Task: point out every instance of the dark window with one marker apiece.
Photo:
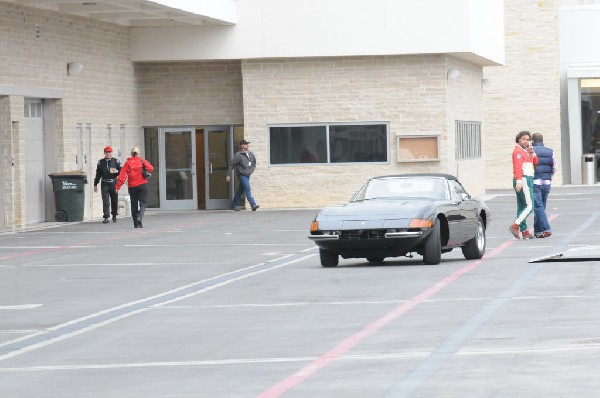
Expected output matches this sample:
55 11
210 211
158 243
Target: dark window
339 143
298 144
358 143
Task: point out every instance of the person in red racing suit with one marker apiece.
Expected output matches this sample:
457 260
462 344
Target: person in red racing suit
523 159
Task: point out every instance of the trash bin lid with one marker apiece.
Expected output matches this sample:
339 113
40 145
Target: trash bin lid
69 174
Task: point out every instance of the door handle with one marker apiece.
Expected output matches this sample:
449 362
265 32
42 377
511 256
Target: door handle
210 168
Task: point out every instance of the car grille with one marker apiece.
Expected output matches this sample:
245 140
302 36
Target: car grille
363 234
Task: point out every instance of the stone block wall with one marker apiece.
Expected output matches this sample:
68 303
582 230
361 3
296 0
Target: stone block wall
104 93
190 93
409 92
525 93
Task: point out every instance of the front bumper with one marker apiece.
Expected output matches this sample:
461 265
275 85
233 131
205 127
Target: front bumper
366 243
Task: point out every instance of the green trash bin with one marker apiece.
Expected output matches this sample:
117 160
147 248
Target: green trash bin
69 195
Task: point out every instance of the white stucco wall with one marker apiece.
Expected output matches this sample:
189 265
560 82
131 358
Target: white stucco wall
579 33
471 29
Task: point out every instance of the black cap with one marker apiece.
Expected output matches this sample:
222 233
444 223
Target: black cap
244 142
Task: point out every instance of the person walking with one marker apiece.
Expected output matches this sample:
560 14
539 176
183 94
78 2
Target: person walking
542 180
523 160
107 170
137 184
244 163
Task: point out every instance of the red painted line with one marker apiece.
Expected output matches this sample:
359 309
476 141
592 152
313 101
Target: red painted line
350 342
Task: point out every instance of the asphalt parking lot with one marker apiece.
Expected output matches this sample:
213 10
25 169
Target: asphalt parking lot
236 304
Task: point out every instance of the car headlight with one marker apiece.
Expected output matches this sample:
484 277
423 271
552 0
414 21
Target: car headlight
420 223
314 226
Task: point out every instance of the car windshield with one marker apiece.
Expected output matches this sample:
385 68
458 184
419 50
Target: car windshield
402 187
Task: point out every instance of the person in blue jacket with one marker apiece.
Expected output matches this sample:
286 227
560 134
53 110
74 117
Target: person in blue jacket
542 180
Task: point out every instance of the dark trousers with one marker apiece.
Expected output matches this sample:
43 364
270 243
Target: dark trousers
110 199
540 220
139 200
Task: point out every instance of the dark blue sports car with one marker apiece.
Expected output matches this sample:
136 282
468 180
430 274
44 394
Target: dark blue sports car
391 216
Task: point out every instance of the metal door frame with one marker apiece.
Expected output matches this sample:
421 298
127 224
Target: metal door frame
35 205
183 204
216 204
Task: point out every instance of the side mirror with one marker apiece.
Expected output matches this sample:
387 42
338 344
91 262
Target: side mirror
465 196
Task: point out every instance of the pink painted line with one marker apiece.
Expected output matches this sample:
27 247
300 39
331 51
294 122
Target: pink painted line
350 342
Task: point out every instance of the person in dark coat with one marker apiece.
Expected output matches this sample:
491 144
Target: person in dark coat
542 180
243 164
107 170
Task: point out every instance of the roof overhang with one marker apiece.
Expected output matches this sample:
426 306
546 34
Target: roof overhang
143 13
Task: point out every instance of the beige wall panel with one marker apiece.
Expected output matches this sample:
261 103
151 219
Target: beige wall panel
103 93
190 93
408 92
524 94
465 104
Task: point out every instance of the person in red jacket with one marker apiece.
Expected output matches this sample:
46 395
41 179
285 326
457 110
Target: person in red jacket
136 183
523 159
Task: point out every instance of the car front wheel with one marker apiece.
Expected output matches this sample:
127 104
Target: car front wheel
328 259
475 248
432 252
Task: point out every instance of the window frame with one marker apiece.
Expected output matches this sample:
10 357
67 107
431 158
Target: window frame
327 142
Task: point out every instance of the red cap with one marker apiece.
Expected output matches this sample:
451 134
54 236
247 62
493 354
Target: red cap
107 149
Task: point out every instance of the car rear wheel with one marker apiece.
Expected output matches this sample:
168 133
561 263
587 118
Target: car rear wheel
475 248
377 260
328 259
432 252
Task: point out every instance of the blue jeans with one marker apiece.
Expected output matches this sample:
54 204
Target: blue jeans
243 187
540 196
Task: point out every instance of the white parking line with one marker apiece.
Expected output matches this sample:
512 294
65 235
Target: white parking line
351 357
220 244
19 307
121 264
383 302
96 320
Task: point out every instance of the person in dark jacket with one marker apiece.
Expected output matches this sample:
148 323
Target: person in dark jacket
107 170
137 184
542 179
244 163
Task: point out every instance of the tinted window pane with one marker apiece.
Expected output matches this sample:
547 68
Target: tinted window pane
358 143
298 144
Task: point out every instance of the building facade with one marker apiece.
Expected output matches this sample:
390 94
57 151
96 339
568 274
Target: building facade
325 104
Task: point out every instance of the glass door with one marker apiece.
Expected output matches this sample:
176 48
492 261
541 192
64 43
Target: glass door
216 141
178 174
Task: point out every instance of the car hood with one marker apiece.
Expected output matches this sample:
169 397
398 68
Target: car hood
375 213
